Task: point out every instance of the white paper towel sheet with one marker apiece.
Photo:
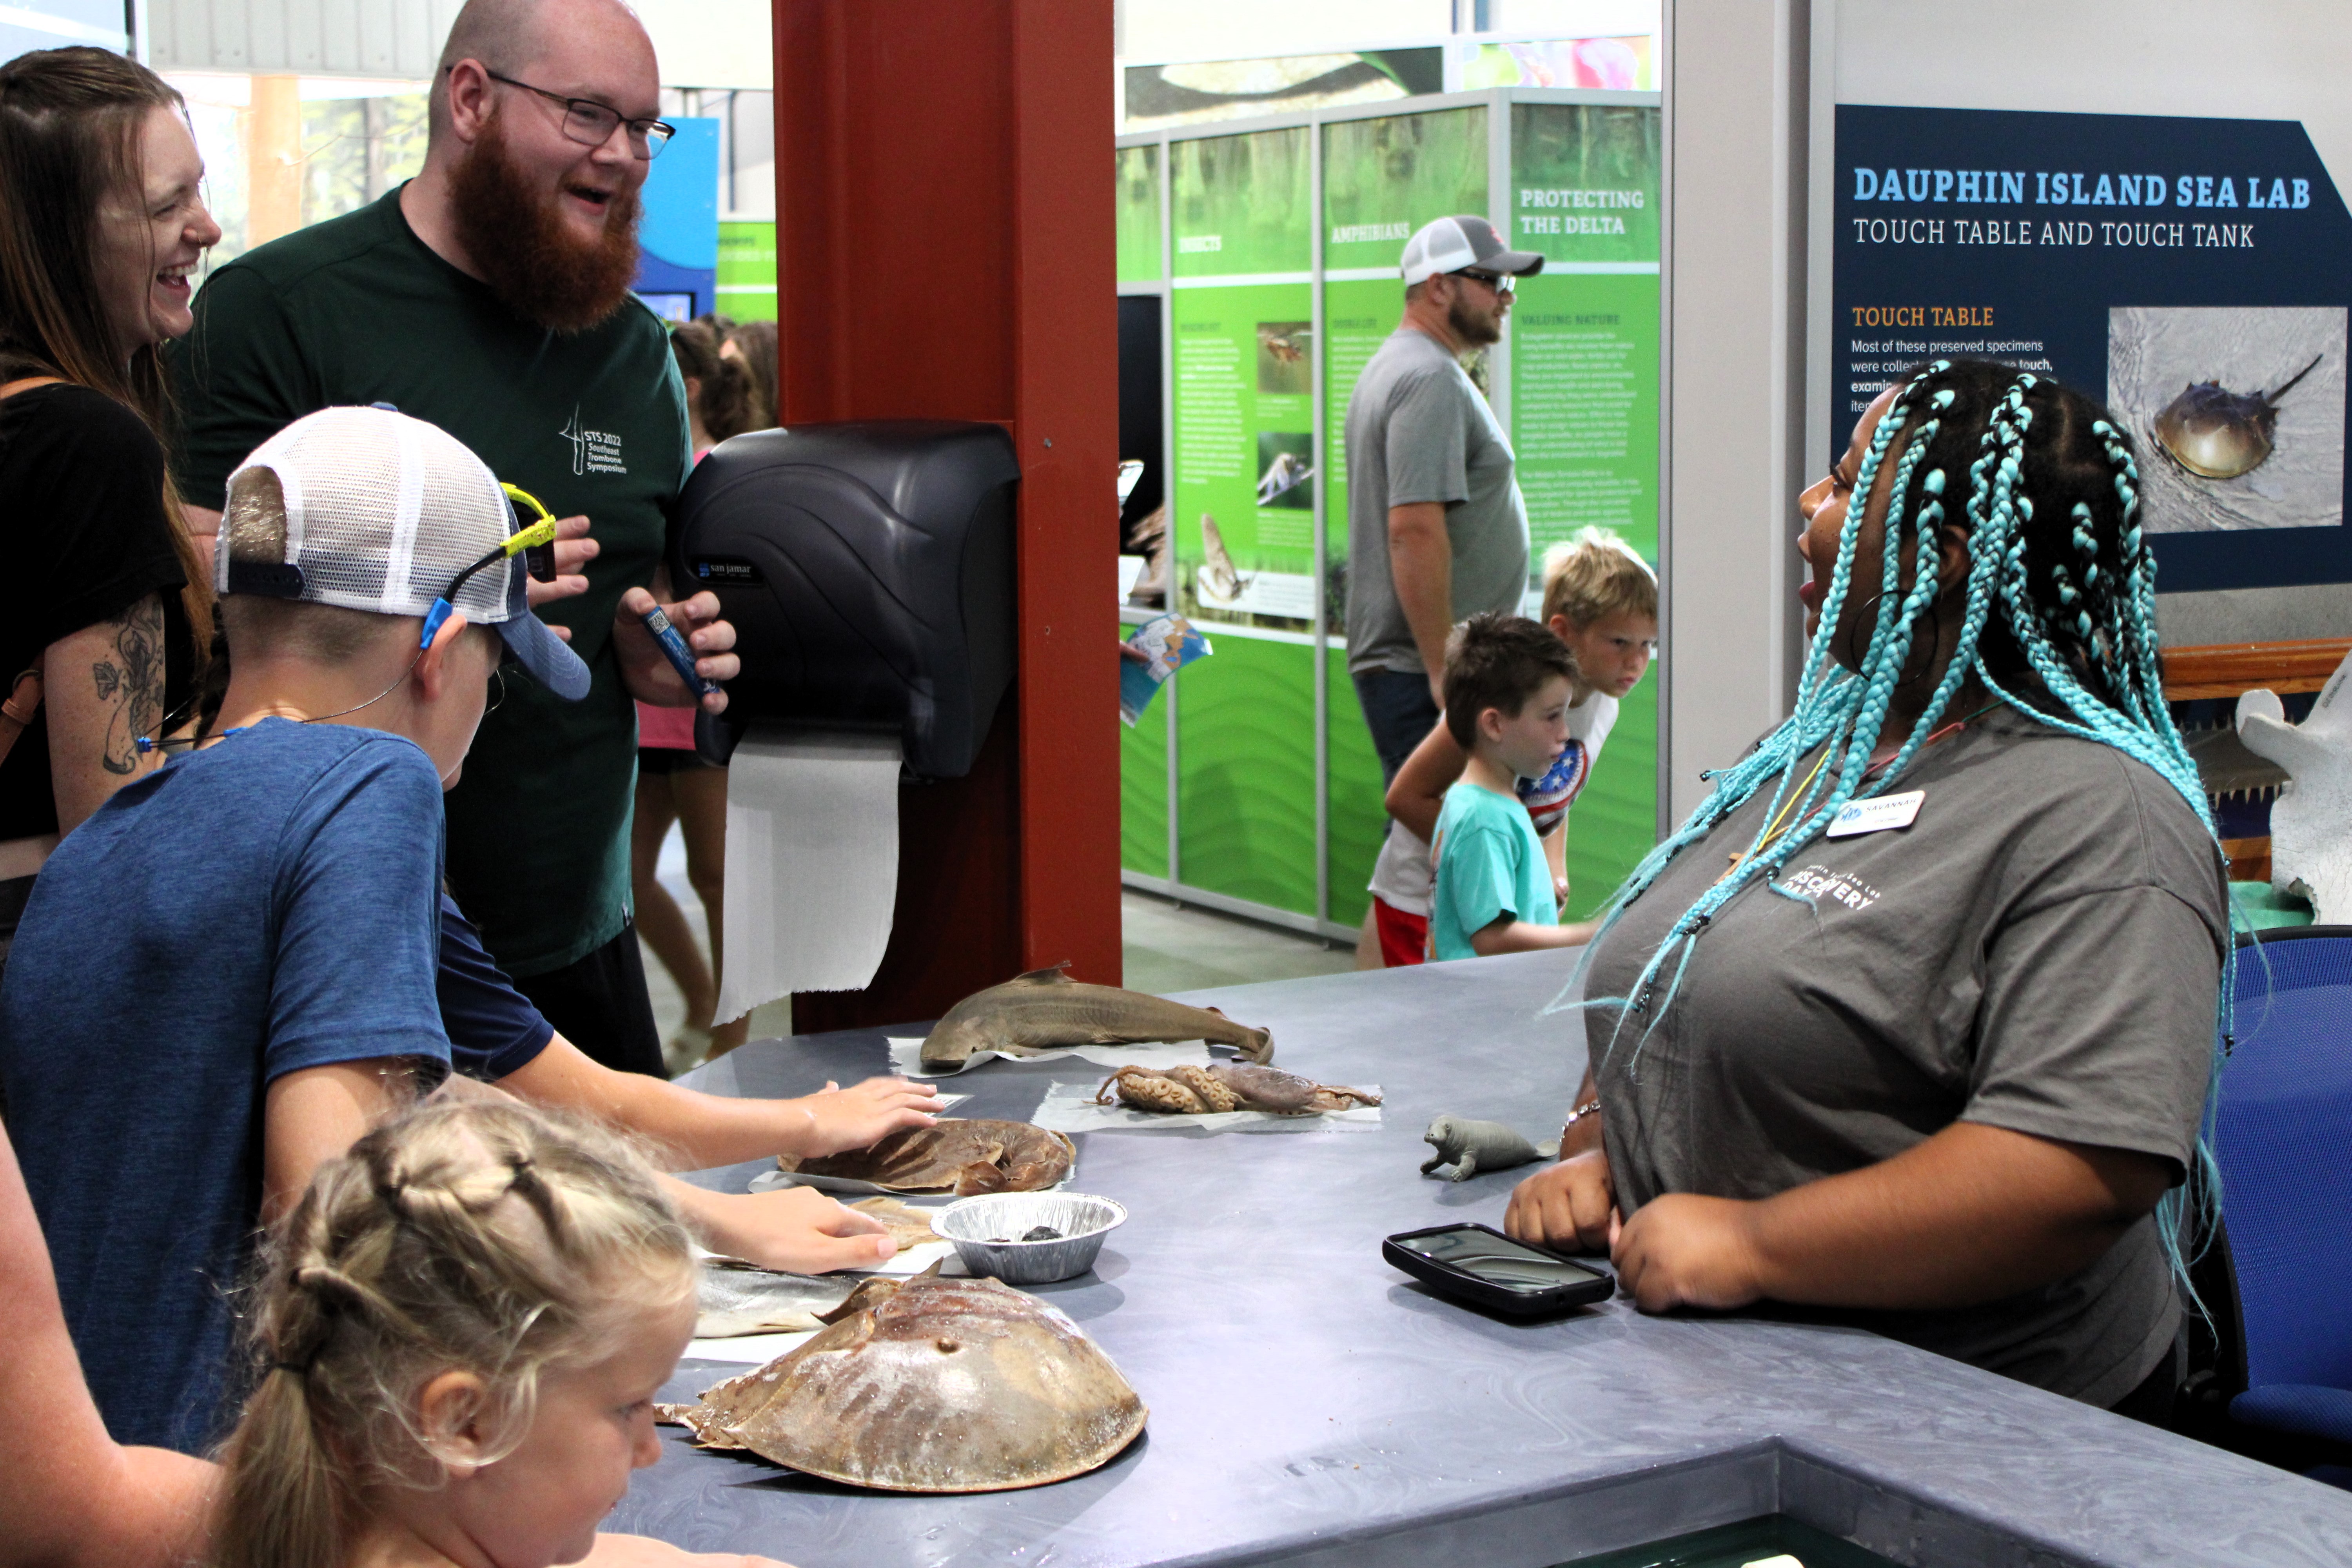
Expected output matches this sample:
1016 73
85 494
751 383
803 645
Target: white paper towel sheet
1071 1108
906 1057
812 864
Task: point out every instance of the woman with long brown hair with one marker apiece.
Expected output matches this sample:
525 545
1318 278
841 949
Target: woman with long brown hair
101 222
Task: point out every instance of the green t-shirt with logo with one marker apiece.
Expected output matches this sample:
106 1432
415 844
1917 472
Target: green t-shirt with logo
357 311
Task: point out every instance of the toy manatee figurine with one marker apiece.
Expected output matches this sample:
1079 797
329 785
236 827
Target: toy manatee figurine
1473 1147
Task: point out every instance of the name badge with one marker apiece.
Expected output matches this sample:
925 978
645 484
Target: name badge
1876 814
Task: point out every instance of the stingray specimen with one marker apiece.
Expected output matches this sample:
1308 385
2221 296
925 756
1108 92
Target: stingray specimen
963 1155
2219 435
1044 1009
739 1299
1190 1090
933 1386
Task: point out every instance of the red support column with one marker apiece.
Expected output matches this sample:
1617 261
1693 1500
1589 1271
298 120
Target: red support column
945 249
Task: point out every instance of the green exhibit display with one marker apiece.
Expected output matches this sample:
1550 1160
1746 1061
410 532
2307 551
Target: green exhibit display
746 270
1242 507
1255 788
1584 409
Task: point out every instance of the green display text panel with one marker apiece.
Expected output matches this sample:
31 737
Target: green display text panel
1385 178
1241 204
1357 819
1614 822
1143 792
1584 405
1139 214
1245 772
1358 316
1245 426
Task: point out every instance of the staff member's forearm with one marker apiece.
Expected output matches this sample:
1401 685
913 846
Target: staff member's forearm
1971 1215
1421 565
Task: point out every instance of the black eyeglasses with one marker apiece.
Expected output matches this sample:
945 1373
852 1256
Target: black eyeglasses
591 123
1500 282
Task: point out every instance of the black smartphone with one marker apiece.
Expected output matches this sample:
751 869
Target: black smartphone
1479 1264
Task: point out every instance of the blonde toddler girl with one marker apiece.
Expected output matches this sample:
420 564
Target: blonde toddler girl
463 1326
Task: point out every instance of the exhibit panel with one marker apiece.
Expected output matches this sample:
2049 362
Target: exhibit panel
1279 267
1241 511
1584 409
2169 236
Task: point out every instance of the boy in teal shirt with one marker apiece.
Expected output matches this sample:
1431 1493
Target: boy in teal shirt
1507 688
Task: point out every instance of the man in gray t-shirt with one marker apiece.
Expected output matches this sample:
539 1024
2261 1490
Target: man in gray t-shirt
1436 529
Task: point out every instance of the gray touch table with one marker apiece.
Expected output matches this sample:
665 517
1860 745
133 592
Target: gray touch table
1310 1404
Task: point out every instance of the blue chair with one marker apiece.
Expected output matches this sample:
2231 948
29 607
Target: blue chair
2283 1141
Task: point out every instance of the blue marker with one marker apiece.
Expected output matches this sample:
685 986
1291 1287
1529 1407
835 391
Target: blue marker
672 646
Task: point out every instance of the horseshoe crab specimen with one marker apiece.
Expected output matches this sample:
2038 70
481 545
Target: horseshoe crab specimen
2219 435
1045 1008
963 1155
933 1386
1188 1090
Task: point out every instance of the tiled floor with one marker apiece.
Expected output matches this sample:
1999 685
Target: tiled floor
1168 948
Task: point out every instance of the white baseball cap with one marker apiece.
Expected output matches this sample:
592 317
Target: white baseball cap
1451 244
395 516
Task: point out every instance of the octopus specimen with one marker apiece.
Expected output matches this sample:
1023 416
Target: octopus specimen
930 1385
2219 435
1045 1009
1189 1090
963 1155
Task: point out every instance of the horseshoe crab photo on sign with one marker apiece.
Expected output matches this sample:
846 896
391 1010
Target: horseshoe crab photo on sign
932 1385
963 1155
1045 1009
2218 435
2234 413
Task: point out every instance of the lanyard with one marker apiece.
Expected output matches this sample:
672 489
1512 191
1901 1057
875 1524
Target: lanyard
1781 825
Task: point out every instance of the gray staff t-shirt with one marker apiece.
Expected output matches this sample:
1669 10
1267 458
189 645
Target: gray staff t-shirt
1418 431
2040 950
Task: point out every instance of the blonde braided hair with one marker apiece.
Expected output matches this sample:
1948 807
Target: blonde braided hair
483 1237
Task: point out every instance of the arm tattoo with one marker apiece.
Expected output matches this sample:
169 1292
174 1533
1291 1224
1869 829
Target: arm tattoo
133 680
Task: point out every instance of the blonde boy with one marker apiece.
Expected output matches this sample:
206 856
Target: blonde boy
1601 600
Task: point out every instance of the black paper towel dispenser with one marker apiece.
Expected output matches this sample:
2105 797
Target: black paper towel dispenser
868 568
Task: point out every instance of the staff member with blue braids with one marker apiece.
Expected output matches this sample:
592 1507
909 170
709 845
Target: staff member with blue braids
1911 1025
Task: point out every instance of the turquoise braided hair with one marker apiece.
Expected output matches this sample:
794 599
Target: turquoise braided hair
2102 627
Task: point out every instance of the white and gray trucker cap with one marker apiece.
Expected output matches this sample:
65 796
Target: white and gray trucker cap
1451 244
384 512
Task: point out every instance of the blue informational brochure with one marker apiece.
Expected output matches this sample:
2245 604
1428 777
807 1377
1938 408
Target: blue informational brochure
1169 643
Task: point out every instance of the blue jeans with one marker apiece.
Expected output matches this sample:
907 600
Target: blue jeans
1399 711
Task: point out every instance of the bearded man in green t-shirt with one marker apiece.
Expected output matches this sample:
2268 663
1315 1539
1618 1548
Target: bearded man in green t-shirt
490 296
